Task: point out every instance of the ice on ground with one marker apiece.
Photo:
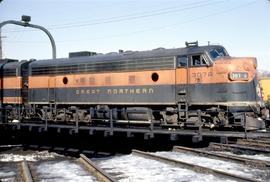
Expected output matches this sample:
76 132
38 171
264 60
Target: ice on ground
230 167
33 156
8 173
132 168
62 171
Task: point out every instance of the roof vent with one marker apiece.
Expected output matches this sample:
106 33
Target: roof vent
81 54
159 49
191 44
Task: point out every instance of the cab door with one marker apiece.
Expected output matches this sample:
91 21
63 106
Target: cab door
182 86
182 80
198 74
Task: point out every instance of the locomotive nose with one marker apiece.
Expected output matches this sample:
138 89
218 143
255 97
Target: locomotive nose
244 64
242 69
255 63
249 64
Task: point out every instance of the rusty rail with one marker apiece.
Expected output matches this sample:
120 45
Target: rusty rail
99 173
193 167
225 157
254 143
26 172
233 147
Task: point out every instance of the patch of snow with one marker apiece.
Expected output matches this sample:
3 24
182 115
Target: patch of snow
134 168
7 174
230 167
35 156
62 171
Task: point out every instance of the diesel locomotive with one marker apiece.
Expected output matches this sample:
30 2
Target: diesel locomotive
182 88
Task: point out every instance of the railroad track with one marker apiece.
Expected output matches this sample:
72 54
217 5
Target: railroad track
239 148
21 172
225 157
194 167
265 139
27 172
254 143
100 174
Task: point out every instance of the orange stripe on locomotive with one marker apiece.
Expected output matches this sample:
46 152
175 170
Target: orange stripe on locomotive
12 84
218 73
155 77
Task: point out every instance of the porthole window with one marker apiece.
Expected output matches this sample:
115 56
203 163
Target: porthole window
65 80
155 77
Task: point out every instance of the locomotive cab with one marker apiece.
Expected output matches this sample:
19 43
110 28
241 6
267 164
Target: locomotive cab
224 89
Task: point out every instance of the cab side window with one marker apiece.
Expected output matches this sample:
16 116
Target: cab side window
182 61
197 60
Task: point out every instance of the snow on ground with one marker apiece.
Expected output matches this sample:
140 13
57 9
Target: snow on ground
229 167
125 168
62 171
8 172
49 167
134 168
31 156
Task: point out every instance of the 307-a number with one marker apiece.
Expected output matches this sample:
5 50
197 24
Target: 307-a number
202 74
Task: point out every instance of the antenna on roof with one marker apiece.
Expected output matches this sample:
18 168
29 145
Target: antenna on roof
191 44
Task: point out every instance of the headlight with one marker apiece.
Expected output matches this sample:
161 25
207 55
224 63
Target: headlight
238 76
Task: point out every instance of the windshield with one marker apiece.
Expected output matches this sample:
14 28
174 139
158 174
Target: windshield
217 53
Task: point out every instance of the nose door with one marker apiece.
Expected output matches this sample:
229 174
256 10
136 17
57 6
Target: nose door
182 79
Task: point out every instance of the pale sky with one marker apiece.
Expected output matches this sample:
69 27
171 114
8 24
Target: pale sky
241 26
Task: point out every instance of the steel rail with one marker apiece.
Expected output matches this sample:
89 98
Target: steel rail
100 174
26 172
193 167
10 146
264 139
225 157
254 143
232 147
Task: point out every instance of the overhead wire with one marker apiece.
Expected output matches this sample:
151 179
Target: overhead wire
133 16
164 26
129 15
136 17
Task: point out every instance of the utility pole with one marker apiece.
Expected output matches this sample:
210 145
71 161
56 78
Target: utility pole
1 50
1 54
